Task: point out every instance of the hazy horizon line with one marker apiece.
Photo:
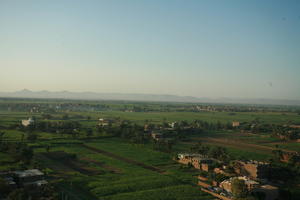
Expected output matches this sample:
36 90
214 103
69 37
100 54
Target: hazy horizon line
155 94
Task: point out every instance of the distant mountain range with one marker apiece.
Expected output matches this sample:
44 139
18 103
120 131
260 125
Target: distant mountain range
140 97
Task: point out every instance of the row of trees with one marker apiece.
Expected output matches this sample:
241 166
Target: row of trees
286 132
219 153
66 127
47 106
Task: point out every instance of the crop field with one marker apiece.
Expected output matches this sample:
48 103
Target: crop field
109 166
7 118
223 117
6 161
124 178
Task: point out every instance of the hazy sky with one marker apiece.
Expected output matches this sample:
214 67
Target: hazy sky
200 48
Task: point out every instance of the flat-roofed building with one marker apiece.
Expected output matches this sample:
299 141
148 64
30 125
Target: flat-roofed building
27 122
253 169
198 161
31 177
157 136
227 184
235 124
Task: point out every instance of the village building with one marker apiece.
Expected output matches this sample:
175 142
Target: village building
227 184
286 156
173 124
294 126
105 122
27 122
204 164
235 124
186 158
146 128
253 169
157 136
29 178
219 170
198 161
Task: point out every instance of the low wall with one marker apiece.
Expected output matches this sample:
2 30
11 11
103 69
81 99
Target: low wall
202 178
203 184
216 195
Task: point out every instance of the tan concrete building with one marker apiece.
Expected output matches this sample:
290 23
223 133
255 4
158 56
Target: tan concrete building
227 184
294 126
253 169
235 124
198 161
157 136
27 122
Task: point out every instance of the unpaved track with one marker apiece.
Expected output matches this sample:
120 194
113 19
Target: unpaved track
240 144
128 160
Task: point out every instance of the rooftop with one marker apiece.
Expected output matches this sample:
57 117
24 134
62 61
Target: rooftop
38 183
255 162
191 155
244 178
28 173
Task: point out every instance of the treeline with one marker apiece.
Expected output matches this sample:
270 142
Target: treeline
216 152
52 106
286 132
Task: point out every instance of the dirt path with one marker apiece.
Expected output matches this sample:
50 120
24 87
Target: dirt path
240 144
130 161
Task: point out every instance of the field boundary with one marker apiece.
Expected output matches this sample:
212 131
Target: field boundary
128 160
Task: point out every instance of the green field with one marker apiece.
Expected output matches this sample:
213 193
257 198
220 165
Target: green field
114 168
130 181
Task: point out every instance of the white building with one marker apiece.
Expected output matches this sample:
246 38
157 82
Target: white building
27 122
173 124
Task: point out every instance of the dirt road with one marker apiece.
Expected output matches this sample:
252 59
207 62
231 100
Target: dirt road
239 144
